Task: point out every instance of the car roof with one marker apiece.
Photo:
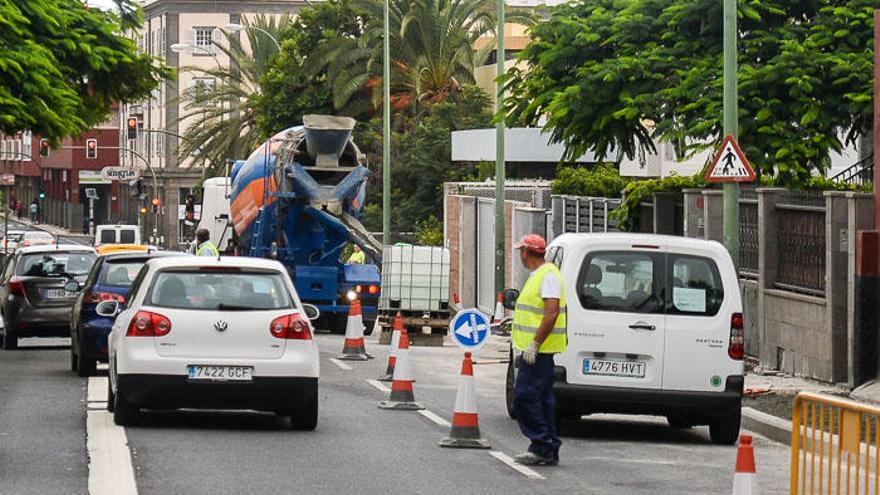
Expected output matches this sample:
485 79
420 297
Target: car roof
116 226
139 255
48 248
628 239
41 232
223 261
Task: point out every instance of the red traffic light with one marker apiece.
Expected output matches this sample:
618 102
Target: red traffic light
132 124
155 202
91 148
44 147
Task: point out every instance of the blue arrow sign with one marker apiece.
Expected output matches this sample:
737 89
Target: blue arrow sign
469 329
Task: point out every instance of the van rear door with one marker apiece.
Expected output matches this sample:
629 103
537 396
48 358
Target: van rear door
616 316
703 295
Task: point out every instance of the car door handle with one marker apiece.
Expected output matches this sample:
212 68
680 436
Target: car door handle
643 326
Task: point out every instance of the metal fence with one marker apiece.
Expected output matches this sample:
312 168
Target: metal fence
536 193
584 214
748 236
800 237
834 446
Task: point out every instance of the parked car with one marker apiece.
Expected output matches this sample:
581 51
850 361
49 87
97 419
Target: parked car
200 332
109 280
117 234
33 300
655 326
37 238
10 242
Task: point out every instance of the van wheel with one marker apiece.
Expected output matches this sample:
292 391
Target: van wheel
679 422
725 430
124 412
508 388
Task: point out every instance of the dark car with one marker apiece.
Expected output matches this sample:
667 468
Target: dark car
109 280
33 300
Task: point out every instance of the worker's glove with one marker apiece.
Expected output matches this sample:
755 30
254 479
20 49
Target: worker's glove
531 353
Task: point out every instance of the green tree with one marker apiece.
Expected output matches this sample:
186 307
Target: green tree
292 88
224 115
62 66
603 71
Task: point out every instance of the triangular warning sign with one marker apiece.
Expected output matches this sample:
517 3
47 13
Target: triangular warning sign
730 164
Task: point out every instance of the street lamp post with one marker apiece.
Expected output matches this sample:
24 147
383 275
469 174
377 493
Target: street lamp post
500 172
731 127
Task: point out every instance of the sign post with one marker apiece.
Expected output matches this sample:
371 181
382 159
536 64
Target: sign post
731 128
6 180
469 329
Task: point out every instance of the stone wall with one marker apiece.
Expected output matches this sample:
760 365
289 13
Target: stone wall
796 337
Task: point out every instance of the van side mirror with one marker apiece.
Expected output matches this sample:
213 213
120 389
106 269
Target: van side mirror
312 312
510 296
107 308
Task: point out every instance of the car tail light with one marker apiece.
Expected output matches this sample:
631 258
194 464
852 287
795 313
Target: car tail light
736 348
99 297
16 289
373 289
291 327
26 243
148 324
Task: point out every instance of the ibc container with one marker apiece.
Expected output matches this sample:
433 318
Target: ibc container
415 278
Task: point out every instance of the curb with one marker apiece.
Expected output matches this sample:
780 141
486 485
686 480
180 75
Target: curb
772 427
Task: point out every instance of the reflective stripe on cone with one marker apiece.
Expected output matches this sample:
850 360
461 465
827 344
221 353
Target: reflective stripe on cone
465 431
395 342
402 396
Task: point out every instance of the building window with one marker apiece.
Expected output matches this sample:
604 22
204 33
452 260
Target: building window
203 40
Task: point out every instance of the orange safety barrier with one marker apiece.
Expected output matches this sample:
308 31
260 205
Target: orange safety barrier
834 446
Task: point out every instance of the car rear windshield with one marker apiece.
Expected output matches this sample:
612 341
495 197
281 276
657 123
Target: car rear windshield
108 236
224 291
55 264
37 235
126 236
120 273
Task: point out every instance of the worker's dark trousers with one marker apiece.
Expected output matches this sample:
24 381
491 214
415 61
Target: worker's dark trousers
535 405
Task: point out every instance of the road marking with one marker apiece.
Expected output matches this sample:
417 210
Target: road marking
647 461
341 364
110 467
379 385
525 471
435 418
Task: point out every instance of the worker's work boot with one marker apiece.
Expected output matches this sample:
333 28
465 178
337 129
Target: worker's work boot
532 459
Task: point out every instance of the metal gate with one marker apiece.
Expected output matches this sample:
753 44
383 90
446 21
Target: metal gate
486 254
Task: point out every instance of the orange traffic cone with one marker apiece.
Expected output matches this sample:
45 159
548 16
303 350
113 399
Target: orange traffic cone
465 432
745 481
499 309
456 302
395 343
402 396
353 349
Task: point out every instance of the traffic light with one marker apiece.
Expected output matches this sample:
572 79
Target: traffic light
138 190
44 147
91 149
144 210
190 214
42 194
132 126
155 202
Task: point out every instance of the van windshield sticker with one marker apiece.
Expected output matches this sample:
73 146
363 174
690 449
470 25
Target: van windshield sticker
690 300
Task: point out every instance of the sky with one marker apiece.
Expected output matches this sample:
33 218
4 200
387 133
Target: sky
101 4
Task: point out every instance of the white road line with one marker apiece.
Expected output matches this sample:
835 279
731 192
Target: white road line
379 385
110 467
525 471
435 418
341 364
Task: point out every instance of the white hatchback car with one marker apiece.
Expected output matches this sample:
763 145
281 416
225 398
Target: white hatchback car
213 334
655 326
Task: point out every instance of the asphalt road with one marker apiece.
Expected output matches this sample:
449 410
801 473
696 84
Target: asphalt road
357 447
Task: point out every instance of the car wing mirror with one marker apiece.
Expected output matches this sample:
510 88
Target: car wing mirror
107 308
509 298
72 286
312 312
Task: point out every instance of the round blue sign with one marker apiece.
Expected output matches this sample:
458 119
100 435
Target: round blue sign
469 329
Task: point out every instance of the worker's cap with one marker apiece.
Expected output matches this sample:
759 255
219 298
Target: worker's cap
533 243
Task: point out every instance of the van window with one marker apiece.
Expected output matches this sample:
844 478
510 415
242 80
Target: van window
126 236
108 236
621 281
697 289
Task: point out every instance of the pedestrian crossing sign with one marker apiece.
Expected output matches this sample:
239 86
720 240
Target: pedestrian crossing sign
730 164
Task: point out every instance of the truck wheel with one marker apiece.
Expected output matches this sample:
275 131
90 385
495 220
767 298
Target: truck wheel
508 389
725 430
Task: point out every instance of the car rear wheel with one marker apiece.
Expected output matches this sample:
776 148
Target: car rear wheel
74 360
111 398
725 430
305 418
10 342
508 388
85 366
124 412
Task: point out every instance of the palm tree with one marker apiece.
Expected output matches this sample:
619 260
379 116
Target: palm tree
224 114
432 50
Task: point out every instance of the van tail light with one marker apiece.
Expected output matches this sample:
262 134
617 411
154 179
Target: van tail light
99 297
291 327
374 289
737 346
16 289
148 324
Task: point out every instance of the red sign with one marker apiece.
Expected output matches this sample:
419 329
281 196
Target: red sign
730 164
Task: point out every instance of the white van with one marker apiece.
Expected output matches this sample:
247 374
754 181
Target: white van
214 211
655 327
117 234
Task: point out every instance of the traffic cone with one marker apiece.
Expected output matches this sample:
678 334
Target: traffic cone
499 309
401 396
745 481
456 302
465 432
395 343
353 349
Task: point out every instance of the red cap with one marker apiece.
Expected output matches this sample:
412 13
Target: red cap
533 243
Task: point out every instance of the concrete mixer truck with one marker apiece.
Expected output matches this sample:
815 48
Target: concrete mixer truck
298 199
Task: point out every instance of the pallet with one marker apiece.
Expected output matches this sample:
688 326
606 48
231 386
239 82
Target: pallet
416 328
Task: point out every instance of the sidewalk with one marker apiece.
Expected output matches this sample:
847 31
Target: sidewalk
52 229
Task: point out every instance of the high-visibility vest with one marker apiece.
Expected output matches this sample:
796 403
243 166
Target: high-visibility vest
357 258
529 312
207 248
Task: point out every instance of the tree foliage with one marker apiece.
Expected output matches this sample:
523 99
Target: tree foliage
62 65
603 71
